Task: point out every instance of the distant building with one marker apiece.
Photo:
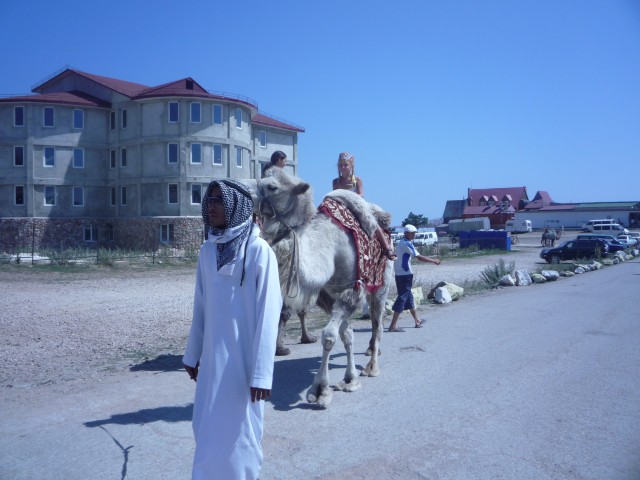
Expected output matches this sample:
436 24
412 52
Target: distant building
498 204
502 204
88 154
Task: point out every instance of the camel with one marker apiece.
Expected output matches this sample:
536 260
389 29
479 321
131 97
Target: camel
318 263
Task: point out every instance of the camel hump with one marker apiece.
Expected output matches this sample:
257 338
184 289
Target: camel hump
368 214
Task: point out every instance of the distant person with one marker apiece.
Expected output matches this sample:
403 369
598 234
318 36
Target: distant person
404 278
278 159
347 180
230 351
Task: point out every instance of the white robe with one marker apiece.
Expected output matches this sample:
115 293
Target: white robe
233 335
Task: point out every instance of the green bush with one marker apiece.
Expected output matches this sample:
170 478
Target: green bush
493 273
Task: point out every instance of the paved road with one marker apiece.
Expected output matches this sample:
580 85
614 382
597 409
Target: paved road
539 382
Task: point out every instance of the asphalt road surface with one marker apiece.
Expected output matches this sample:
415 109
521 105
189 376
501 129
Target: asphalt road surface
539 382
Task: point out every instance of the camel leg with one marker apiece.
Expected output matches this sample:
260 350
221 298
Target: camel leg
305 337
376 305
281 350
319 392
350 382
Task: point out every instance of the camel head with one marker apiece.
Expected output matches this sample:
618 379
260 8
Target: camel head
283 201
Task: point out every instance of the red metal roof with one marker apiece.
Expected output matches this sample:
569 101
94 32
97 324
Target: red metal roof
178 88
123 87
260 119
516 193
64 98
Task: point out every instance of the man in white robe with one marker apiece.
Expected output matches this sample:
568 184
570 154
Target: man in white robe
231 345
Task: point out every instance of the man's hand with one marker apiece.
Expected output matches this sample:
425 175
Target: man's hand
258 394
192 371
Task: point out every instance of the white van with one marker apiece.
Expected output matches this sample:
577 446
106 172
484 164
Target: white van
425 238
612 228
592 223
518 226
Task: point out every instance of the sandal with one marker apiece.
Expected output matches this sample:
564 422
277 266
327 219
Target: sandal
421 323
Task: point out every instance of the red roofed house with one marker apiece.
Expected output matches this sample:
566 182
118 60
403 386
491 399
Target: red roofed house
498 204
88 158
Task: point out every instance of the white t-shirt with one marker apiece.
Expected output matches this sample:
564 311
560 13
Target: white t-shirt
404 251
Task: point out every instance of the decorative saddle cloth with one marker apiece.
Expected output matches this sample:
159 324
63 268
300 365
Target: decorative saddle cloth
371 261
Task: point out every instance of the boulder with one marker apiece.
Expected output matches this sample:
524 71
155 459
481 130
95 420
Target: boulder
442 295
537 278
580 270
523 278
568 273
607 261
550 275
507 281
455 291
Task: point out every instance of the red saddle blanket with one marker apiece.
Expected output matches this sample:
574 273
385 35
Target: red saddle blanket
371 261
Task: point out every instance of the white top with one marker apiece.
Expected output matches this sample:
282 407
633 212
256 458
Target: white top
404 252
233 335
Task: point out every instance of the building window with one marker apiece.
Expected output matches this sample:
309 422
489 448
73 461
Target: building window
263 138
166 233
18 156
196 153
113 196
196 112
49 117
90 233
196 194
238 116
173 193
217 154
78 196
174 112
49 156
49 196
123 118
123 157
172 153
110 232
217 114
112 120
78 158
78 119
18 116
239 157
18 195
112 159
123 196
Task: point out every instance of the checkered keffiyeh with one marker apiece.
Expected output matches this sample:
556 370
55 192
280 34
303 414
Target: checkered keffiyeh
238 208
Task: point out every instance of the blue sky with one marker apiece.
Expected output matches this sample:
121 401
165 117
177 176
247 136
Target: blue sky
432 97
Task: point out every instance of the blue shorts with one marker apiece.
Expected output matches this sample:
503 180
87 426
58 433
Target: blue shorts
405 297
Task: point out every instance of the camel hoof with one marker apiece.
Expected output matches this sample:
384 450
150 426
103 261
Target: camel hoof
308 339
370 370
349 385
369 352
321 396
282 351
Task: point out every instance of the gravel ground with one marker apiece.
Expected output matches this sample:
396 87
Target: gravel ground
61 326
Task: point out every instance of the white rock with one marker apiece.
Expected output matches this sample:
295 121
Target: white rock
523 278
442 295
507 281
580 270
550 275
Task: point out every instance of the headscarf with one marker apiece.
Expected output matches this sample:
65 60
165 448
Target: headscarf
238 209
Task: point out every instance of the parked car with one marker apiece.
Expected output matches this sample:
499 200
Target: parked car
627 240
576 249
615 245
